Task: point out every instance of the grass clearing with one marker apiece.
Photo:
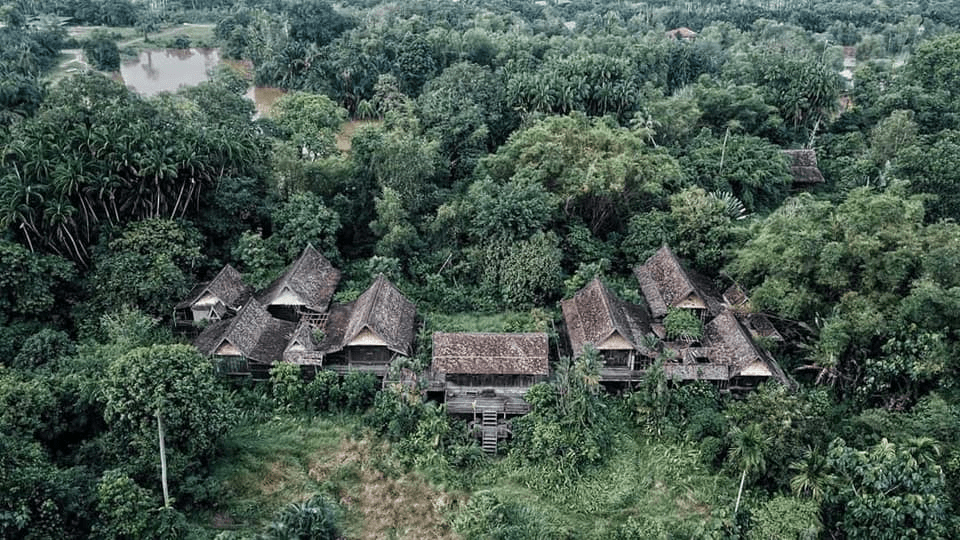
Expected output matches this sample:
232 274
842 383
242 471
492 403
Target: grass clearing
657 484
288 459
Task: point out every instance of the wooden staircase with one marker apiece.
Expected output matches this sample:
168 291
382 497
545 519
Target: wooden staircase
489 431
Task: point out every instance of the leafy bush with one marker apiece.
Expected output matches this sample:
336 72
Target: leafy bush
102 52
683 324
314 519
287 387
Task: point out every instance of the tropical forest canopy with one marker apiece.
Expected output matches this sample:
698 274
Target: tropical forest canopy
505 153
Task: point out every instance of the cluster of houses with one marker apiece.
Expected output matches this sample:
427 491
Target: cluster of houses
481 375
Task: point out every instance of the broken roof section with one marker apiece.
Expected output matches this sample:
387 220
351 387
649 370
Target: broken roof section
732 345
491 354
596 315
666 284
253 334
309 282
381 316
226 288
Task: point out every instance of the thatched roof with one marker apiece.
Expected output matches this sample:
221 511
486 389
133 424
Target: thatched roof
803 166
311 278
666 284
302 347
227 287
253 332
730 344
490 354
681 33
595 314
382 310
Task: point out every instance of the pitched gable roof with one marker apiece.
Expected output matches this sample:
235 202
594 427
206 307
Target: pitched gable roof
666 284
311 278
803 166
383 310
227 286
594 314
731 345
491 354
253 332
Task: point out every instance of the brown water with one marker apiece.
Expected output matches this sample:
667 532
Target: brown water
166 70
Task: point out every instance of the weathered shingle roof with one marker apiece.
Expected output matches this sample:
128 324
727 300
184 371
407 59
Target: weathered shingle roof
731 345
595 313
803 166
681 33
253 331
311 277
383 310
665 283
227 286
492 354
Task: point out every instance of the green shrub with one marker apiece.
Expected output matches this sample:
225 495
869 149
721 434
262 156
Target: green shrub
315 519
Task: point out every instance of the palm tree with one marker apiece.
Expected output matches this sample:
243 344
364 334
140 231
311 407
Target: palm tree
812 477
749 446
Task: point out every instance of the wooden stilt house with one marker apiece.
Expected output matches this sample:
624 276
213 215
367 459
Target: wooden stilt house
487 375
617 329
215 300
247 344
728 357
304 291
364 335
666 284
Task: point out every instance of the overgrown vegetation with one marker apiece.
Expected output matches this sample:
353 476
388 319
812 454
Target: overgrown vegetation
509 152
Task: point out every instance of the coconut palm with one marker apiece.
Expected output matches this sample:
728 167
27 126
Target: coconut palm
747 452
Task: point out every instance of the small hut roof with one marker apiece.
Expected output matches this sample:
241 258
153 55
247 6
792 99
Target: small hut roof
491 354
311 277
682 33
665 283
227 286
595 313
381 309
730 344
803 166
254 332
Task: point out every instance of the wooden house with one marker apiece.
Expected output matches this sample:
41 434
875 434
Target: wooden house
215 300
727 356
248 343
667 285
304 290
363 335
803 167
617 329
487 375
484 371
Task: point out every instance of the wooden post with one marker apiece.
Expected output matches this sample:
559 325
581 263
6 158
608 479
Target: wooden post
163 461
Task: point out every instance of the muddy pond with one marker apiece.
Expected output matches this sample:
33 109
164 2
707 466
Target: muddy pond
166 70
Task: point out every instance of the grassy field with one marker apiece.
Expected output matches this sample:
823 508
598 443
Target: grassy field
267 466
646 485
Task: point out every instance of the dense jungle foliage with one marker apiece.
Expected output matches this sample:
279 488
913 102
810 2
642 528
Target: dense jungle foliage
508 152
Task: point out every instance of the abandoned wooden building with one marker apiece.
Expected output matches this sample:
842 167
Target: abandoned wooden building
803 167
248 343
618 330
215 300
364 335
666 284
486 376
726 356
304 290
